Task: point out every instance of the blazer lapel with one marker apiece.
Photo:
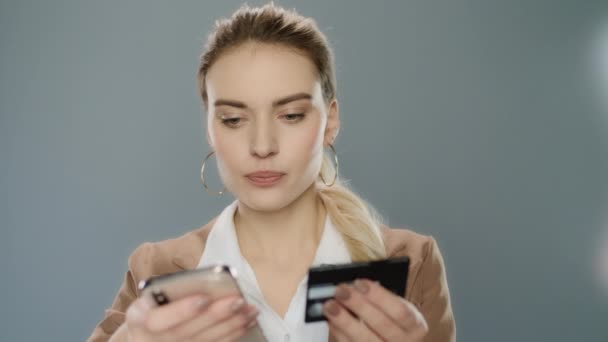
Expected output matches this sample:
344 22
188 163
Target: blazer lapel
188 251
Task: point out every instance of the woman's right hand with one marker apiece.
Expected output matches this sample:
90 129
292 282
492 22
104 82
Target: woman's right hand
191 319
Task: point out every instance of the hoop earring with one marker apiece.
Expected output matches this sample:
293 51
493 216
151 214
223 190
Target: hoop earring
203 177
337 167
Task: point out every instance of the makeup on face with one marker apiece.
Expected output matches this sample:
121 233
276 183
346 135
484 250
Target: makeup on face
265 178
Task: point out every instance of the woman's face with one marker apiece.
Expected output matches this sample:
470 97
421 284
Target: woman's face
267 123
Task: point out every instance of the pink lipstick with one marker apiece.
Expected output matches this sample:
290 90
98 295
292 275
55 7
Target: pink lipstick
264 178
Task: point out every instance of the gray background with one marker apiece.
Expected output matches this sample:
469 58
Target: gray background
475 121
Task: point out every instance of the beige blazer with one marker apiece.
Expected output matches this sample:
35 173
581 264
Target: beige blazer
426 287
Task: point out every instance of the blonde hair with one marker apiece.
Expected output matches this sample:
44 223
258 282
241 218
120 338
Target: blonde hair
356 220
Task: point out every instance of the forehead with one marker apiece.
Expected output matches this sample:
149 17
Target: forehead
259 73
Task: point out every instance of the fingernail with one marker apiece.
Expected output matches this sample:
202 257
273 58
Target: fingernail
237 304
252 324
361 286
200 303
332 308
253 313
342 293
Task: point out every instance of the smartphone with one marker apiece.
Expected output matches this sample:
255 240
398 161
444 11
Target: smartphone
322 281
213 281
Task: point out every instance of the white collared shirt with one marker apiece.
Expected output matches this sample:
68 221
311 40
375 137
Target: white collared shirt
222 248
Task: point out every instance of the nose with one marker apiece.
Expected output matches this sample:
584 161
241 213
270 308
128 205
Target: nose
264 140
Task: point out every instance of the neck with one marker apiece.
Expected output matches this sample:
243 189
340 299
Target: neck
290 232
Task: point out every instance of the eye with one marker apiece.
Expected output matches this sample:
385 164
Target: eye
231 122
294 117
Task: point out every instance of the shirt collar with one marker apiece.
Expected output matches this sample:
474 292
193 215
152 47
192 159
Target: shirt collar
222 245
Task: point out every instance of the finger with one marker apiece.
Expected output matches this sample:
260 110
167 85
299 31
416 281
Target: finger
167 316
417 323
405 315
138 312
336 335
235 335
235 325
218 311
378 321
352 327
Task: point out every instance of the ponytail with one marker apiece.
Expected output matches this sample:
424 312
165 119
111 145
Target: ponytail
357 222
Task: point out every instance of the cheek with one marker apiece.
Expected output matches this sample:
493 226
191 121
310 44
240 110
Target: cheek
306 144
226 154
313 137
227 150
212 130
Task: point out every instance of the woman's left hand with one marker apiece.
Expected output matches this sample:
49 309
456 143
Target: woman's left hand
381 315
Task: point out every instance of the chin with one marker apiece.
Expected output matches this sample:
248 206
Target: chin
268 200
265 201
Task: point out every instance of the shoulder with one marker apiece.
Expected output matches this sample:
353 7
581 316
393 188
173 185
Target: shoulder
421 249
405 242
170 255
427 267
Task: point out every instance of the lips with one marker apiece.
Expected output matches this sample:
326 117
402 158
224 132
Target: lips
265 178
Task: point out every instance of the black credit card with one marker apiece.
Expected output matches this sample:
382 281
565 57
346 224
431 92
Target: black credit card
322 281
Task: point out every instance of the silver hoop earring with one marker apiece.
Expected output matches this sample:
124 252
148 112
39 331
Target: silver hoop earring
203 177
337 167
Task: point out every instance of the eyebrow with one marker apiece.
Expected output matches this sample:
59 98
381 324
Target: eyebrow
276 103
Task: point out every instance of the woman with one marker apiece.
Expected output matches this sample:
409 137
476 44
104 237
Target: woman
268 86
